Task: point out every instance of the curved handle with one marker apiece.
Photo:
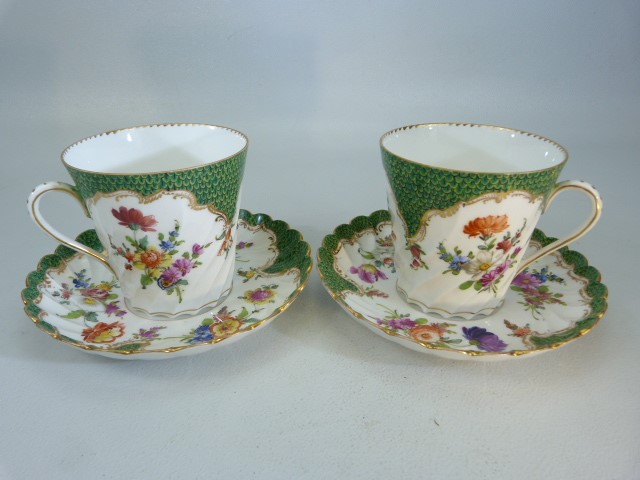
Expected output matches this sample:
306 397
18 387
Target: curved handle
33 205
588 190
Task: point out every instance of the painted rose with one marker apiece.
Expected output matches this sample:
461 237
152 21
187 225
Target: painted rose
428 333
260 295
368 273
227 327
134 219
483 339
197 249
505 245
486 226
103 332
95 293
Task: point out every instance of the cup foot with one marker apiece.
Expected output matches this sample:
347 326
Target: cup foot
181 315
445 313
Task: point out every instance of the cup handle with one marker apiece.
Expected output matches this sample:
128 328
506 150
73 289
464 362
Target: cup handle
33 205
588 190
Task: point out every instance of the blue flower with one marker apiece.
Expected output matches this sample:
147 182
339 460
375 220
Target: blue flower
174 234
201 334
167 245
542 275
79 281
458 262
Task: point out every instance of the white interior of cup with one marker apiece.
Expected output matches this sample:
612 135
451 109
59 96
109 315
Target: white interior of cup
155 148
474 148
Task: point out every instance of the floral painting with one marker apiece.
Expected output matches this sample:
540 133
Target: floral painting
166 263
494 255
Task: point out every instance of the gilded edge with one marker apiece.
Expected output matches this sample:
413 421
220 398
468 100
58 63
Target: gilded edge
293 254
496 197
337 287
147 199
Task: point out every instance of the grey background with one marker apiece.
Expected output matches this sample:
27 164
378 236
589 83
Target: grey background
314 85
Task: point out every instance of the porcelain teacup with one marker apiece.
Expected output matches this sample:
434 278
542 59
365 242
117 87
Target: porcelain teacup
164 202
464 201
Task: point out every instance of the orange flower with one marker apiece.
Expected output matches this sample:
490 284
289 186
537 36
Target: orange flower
428 333
522 332
152 259
103 332
485 226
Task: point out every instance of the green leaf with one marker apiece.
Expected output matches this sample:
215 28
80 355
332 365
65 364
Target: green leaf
173 252
482 247
477 286
244 313
146 280
466 285
186 255
112 296
74 314
367 255
91 317
183 282
161 236
131 240
144 242
422 321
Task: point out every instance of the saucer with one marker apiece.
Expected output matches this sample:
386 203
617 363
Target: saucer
78 301
556 300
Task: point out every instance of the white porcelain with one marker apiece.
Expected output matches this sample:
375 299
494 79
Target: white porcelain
164 201
557 299
464 201
78 301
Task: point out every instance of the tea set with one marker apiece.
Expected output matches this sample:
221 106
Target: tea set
455 267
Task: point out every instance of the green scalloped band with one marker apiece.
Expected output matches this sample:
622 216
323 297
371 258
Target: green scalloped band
216 184
420 188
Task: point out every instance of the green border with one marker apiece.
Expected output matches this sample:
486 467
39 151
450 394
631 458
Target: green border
293 252
579 264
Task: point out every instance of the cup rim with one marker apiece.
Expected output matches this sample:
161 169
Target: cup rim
562 149
155 125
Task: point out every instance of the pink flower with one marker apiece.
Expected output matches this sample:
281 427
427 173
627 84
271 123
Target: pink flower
505 245
96 293
494 275
197 249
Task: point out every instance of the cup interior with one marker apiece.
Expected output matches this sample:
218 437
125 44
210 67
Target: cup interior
154 149
474 148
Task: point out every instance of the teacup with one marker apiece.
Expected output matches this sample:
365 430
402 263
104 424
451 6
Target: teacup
164 202
464 201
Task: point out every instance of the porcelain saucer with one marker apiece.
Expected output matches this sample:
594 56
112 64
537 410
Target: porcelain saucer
557 300
77 300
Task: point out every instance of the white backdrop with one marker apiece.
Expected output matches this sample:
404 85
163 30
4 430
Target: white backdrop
314 85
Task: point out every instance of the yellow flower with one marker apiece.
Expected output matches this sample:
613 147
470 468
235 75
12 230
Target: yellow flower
226 328
90 301
152 259
105 286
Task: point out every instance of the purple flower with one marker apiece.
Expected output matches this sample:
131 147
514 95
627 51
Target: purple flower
197 249
184 265
112 308
483 339
527 281
260 295
150 334
368 273
402 323
169 278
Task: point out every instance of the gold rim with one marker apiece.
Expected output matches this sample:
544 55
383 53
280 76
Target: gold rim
158 125
563 150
